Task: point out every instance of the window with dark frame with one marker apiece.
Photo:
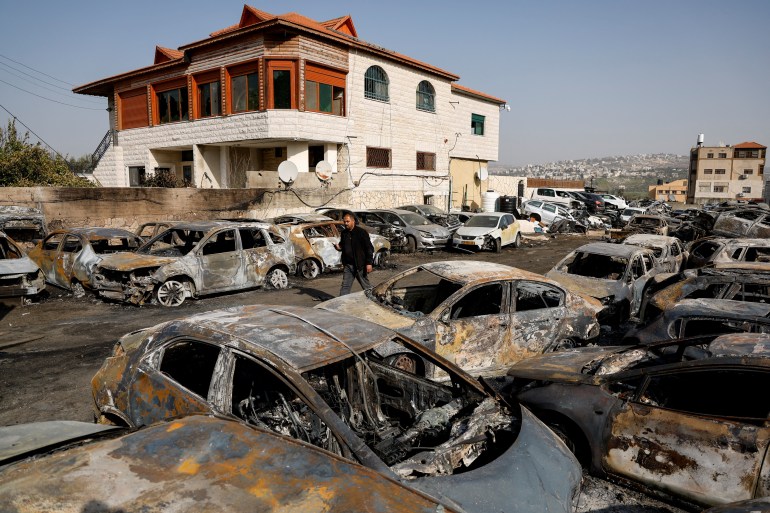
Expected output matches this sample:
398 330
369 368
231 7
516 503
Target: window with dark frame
477 124
376 84
723 155
426 161
426 97
209 99
709 155
377 157
719 171
315 155
172 105
324 90
245 92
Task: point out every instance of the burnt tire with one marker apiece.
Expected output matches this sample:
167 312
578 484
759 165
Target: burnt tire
170 293
497 246
277 279
309 269
381 258
411 244
573 438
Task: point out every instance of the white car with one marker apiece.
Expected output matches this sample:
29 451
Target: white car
548 212
488 230
630 212
619 202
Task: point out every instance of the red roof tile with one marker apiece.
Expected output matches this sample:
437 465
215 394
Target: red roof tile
166 54
750 145
463 89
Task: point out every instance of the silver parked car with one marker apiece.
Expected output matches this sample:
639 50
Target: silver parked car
434 214
548 212
196 258
615 274
421 233
19 276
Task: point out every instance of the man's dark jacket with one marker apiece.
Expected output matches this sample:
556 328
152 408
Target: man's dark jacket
362 249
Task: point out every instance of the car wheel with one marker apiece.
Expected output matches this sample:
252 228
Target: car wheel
381 258
572 438
170 293
277 279
517 241
565 343
498 245
309 269
411 244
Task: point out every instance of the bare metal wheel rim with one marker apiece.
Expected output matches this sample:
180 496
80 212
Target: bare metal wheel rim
310 269
278 279
171 293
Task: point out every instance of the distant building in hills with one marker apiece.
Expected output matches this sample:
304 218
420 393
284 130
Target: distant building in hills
672 191
721 173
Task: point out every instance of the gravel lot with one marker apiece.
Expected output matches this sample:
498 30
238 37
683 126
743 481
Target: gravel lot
50 349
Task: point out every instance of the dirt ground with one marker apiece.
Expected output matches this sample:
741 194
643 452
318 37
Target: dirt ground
50 349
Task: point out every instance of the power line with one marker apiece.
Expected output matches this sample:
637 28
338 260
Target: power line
36 71
33 133
49 99
34 77
42 86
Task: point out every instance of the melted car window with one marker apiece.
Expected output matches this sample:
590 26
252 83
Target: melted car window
534 296
595 266
419 292
173 242
484 300
222 242
252 238
191 364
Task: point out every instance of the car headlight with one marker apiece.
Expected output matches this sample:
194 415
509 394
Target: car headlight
426 234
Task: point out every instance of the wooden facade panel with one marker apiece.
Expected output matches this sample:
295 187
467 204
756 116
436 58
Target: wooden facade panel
133 109
227 55
276 46
327 55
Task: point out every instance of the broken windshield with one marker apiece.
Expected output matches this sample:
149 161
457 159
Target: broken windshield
418 292
592 265
172 242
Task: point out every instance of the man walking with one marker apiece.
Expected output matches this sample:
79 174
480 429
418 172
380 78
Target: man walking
357 254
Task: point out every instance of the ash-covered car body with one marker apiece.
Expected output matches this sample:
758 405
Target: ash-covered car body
435 215
314 250
752 222
615 274
669 251
647 223
303 217
197 258
702 317
26 225
738 281
488 231
481 316
197 463
19 275
69 257
318 376
712 250
682 418
149 230
420 232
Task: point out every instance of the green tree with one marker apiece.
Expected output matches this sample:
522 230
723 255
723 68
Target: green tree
23 164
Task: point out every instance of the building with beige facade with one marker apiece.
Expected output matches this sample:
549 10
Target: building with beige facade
721 173
675 190
228 110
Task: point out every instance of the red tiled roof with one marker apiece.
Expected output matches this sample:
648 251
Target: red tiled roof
166 54
750 145
342 24
466 90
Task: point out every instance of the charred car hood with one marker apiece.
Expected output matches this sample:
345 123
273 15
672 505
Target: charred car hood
561 366
18 266
129 261
24 439
361 306
593 287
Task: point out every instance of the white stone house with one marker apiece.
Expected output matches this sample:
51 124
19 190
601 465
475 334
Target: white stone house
226 111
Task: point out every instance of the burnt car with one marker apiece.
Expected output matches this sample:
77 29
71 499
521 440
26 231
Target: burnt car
711 250
615 274
668 251
647 223
435 215
702 317
19 275
26 225
682 418
147 231
69 257
372 223
197 463
314 249
481 316
735 280
751 222
304 217
197 258
421 233
318 376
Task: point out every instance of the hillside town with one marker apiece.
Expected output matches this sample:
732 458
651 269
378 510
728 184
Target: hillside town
294 276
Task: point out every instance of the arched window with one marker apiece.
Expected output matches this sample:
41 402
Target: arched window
376 84
426 96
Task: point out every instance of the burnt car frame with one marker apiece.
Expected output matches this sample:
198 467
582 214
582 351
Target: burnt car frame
421 233
669 251
314 247
318 376
712 250
751 222
372 223
647 223
615 274
678 418
481 316
26 225
196 258
201 463
19 275
436 215
69 257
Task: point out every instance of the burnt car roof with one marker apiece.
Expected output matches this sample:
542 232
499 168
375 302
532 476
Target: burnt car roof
718 307
612 249
649 238
304 338
96 232
469 271
208 225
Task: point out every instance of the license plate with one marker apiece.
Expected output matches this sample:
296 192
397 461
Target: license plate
469 242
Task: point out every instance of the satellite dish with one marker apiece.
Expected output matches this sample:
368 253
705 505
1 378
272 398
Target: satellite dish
323 170
482 174
287 172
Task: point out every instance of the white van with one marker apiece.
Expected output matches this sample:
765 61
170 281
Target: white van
553 195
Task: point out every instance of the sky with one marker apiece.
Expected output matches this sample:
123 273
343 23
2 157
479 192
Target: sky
583 78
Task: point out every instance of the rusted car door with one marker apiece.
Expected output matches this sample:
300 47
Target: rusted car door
45 255
539 313
695 433
164 379
220 261
66 258
473 331
641 269
257 256
322 239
